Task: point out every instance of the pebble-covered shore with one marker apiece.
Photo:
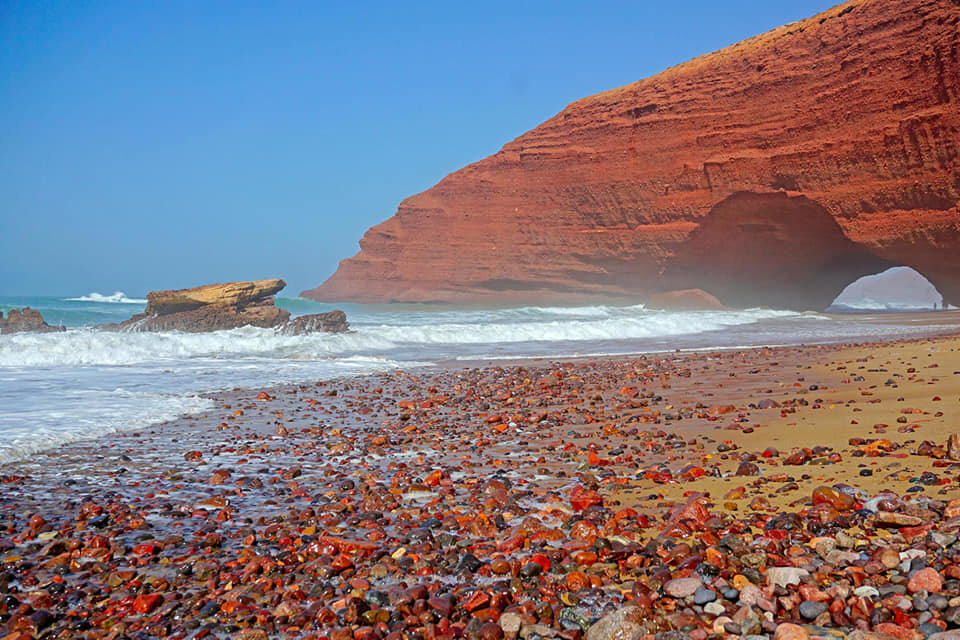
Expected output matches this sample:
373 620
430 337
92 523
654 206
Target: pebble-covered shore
767 493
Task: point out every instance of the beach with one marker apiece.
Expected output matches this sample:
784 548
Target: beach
681 494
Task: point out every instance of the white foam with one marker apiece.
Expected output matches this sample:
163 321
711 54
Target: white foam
118 297
76 415
81 347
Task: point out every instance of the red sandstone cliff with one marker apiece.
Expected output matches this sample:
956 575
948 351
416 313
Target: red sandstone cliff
857 109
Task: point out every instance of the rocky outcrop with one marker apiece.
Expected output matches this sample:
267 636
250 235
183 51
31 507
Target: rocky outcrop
209 308
231 294
856 109
25 320
329 322
683 300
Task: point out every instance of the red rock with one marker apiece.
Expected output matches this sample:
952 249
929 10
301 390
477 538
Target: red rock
581 498
25 320
925 580
684 300
220 476
721 409
898 632
147 603
788 631
601 198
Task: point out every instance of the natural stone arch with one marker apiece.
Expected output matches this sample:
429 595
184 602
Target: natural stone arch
770 249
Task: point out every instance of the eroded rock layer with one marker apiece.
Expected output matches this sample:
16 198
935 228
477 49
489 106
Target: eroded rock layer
212 307
858 109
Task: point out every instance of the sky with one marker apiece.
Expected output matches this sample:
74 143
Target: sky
155 145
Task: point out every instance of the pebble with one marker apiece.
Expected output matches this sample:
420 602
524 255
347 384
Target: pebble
785 576
703 595
789 631
810 610
506 516
682 587
925 580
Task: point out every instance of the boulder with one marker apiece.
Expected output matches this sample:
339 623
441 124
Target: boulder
330 322
25 320
209 308
684 300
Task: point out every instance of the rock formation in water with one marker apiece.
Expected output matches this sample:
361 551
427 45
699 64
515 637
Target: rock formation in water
210 308
215 307
329 322
857 109
25 320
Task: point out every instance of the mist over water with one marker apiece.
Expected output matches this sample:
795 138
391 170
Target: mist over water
83 382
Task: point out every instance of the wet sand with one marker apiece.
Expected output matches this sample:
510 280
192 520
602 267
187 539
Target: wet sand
661 495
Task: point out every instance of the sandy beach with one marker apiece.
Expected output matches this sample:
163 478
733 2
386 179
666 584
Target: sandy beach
779 492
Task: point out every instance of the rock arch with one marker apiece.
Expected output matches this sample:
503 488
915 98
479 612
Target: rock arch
770 249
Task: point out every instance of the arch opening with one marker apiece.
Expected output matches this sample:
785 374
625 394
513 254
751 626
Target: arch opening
896 289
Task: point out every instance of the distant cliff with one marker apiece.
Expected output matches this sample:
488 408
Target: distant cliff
856 109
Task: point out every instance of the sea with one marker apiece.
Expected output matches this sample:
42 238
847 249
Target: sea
84 383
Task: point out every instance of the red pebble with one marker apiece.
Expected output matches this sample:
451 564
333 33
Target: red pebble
147 603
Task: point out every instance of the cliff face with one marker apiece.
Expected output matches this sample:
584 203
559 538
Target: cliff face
857 109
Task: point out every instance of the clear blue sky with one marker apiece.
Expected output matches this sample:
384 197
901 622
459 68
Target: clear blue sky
149 145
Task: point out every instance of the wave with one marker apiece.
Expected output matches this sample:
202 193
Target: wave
118 297
80 347
78 416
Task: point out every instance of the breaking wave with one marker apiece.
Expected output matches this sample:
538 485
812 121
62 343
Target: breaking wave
453 330
118 297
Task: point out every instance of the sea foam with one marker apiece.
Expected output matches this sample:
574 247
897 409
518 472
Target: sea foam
118 297
82 347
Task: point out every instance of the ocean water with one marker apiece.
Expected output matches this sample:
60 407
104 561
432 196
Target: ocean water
84 383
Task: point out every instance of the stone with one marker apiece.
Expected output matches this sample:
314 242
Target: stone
602 199
703 595
866 591
684 300
925 580
626 623
330 322
891 519
809 609
788 631
25 320
682 587
510 623
783 576
953 447
212 307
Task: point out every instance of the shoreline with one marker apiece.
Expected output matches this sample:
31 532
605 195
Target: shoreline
408 493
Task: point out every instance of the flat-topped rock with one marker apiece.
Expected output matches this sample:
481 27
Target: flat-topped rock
212 307
236 294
